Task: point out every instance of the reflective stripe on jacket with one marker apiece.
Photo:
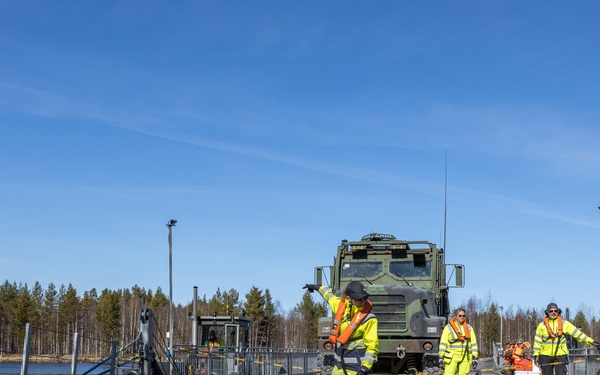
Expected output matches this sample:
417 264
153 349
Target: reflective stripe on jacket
545 345
451 345
363 346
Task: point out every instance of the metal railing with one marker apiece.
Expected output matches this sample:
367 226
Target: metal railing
224 360
584 361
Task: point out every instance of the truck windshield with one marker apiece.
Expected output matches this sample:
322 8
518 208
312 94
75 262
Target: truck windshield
361 269
411 269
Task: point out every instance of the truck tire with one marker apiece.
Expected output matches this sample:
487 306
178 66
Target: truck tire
431 365
325 363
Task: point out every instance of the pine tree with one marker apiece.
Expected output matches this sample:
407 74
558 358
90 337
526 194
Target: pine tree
37 299
216 305
8 295
310 312
270 324
89 326
108 315
491 329
50 312
255 310
68 312
231 303
580 322
22 314
159 300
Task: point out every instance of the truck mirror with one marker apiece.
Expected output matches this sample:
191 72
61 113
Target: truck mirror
460 282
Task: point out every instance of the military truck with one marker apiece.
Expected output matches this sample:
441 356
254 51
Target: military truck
408 288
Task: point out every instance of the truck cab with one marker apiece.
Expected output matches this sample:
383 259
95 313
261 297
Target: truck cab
406 281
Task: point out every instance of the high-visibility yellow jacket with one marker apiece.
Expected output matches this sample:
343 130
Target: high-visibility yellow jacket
363 346
545 345
451 346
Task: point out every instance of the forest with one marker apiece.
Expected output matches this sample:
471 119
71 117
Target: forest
56 314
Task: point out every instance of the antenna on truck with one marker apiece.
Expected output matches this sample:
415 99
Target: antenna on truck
445 201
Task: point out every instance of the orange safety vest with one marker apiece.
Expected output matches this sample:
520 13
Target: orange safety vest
465 326
523 364
358 318
560 327
517 351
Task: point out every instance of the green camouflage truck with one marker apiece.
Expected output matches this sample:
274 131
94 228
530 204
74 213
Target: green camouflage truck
408 288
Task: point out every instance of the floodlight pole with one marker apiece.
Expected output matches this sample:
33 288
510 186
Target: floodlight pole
171 224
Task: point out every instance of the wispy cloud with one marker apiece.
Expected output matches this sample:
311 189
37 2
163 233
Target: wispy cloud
505 136
501 202
564 146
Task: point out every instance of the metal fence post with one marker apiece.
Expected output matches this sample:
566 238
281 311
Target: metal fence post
26 346
113 358
75 353
305 362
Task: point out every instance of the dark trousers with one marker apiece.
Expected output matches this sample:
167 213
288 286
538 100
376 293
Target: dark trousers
553 365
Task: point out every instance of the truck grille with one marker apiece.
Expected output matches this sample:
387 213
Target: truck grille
390 312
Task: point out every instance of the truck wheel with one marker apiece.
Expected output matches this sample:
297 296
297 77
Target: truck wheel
431 365
325 363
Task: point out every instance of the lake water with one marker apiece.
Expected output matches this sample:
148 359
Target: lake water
51 368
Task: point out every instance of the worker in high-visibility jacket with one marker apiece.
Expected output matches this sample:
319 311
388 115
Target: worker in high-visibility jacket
354 330
550 349
458 345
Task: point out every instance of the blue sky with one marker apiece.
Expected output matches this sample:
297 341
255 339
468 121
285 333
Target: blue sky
272 130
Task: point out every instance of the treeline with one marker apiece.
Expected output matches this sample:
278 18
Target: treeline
55 314
99 319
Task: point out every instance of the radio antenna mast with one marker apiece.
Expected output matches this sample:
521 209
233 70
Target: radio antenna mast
445 201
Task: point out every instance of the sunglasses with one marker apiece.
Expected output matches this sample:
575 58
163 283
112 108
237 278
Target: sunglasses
359 299
552 311
461 315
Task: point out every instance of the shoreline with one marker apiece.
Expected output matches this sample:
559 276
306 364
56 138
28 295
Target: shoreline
67 358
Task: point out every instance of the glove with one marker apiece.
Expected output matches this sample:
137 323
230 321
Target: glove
441 361
363 370
311 288
475 363
536 361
